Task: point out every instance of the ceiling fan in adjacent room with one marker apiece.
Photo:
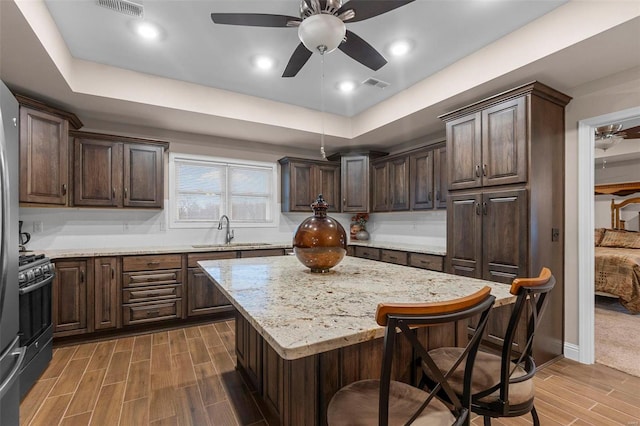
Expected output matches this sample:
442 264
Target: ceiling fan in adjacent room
321 28
610 135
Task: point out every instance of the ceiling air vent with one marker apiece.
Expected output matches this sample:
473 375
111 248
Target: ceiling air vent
375 83
126 7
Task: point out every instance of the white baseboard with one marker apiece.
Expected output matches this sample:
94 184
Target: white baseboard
572 351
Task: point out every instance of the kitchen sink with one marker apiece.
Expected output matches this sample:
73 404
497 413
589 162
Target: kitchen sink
229 245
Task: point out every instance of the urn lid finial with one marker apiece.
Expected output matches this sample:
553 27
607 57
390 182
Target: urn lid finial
320 204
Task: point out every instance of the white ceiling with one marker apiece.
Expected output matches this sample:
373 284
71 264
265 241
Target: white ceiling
573 44
196 50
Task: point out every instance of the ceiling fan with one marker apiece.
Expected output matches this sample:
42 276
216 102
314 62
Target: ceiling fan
321 28
612 134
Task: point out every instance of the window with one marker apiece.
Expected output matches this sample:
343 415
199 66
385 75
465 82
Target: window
205 188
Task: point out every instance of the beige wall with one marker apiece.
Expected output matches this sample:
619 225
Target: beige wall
610 94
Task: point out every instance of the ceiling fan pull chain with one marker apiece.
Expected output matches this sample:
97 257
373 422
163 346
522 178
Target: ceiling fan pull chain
324 155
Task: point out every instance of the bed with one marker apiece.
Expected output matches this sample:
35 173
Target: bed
617 260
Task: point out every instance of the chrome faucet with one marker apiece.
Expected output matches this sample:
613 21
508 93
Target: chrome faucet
229 235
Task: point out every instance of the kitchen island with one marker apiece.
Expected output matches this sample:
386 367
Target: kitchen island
301 336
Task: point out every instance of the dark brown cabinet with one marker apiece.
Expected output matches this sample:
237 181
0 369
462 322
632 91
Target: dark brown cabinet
151 288
143 175
489 235
71 291
203 297
505 216
488 147
106 293
390 184
44 152
302 181
97 172
114 171
428 178
354 183
44 177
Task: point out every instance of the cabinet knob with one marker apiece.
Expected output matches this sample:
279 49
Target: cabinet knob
125 192
429 196
484 170
484 208
438 195
478 209
113 192
477 170
64 189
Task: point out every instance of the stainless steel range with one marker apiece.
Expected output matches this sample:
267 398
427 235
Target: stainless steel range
35 277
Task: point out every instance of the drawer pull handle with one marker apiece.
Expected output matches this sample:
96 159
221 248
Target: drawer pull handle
153 313
152 294
393 258
153 263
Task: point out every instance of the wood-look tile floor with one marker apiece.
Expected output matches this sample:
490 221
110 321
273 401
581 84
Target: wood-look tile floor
187 377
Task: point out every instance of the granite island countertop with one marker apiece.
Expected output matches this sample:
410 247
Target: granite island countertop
301 314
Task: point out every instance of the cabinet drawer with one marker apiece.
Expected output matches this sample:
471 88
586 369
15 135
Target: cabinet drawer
262 253
426 261
151 262
368 253
146 279
146 294
141 313
394 256
194 258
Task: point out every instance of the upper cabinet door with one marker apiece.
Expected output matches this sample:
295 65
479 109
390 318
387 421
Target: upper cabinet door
355 183
143 175
422 180
302 184
464 152
399 184
328 184
97 173
380 187
441 186
504 143
44 157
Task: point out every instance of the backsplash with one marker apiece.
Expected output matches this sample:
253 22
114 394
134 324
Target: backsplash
76 228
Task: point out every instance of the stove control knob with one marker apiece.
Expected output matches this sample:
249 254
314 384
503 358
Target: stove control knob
30 275
37 271
22 278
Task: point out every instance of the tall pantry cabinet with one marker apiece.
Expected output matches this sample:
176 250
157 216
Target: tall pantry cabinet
505 211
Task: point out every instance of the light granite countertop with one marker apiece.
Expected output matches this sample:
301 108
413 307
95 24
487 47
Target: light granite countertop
125 251
300 313
414 248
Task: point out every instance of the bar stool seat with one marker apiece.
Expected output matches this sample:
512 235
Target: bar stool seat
352 405
486 374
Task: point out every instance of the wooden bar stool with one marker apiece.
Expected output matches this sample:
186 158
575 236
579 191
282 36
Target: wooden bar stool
388 402
503 384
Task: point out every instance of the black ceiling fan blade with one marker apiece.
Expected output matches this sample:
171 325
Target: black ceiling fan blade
365 9
252 19
299 57
362 52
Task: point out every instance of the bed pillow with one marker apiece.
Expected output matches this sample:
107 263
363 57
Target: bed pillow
599 235
622 239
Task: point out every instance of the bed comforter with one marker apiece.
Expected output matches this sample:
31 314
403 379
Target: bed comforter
618 272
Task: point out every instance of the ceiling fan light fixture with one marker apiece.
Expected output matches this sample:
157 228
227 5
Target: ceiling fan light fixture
322 33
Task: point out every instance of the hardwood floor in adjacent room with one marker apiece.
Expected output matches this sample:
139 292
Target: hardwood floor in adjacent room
187 377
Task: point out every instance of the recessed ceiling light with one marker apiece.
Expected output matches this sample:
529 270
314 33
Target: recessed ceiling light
263 62
148 31
400 48
347 86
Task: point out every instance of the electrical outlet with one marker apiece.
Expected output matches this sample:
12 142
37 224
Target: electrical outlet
37 227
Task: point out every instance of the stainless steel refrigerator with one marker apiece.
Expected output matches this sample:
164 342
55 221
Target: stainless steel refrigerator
11 354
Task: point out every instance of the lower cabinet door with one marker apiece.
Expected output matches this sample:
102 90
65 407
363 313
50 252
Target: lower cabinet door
69 298
106 293
203 297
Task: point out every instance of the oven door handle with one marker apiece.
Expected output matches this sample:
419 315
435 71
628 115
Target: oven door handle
13 374
29 289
